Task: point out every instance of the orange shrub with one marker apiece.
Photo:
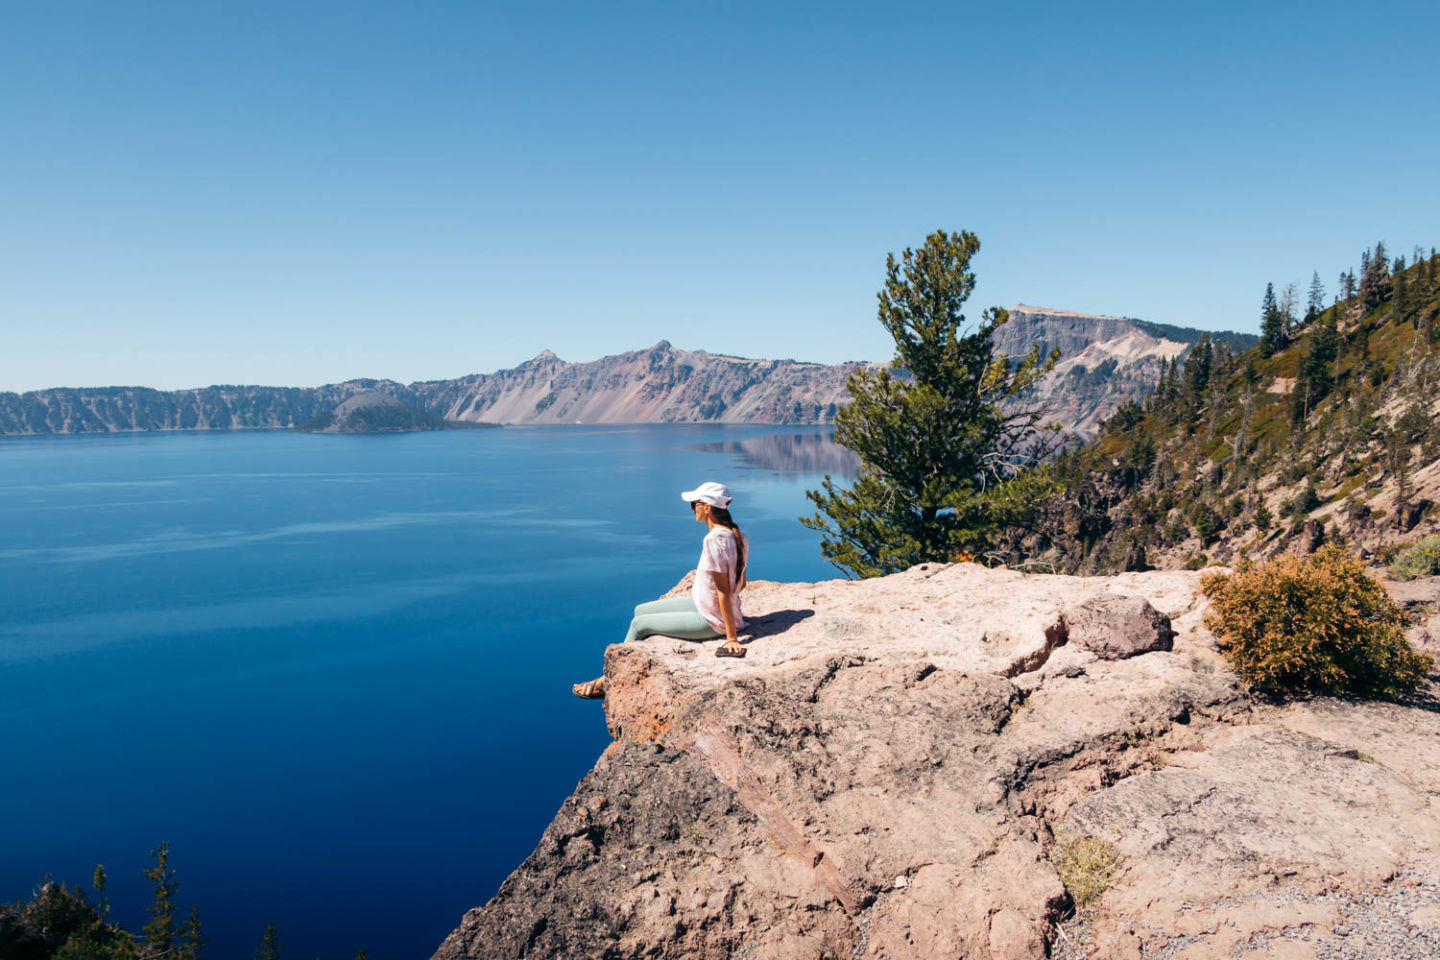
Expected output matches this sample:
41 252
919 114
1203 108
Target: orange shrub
1315 624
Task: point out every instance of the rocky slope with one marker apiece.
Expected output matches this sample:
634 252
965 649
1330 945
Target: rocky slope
1107 360
1104 361
1333 434
886 775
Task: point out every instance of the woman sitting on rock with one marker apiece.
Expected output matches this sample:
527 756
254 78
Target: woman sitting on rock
712 608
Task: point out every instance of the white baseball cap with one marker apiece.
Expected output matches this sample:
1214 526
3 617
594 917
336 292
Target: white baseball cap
715 494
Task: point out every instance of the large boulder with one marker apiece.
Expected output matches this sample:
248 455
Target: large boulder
1116 627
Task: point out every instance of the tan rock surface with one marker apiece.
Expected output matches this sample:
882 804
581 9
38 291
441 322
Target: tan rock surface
881 775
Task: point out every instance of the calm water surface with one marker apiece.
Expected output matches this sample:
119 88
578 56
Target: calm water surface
333 672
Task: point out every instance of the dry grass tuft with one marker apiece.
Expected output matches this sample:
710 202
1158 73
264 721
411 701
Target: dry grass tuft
1086 866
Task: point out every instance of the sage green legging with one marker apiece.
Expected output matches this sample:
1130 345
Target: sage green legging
671 617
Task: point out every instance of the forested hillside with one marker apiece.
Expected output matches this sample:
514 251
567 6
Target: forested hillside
1324 431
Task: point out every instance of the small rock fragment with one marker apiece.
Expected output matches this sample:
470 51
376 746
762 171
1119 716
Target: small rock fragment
1426 917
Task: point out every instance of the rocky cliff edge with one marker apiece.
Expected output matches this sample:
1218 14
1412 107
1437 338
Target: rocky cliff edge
892 769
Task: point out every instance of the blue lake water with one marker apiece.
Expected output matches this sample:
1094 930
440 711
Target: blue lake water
333 671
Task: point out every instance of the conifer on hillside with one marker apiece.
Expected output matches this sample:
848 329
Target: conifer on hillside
1272 324
1316 303
1375 284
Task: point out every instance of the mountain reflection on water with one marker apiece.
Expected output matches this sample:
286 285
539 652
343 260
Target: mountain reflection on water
807 452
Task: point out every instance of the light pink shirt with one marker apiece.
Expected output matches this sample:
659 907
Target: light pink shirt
717 554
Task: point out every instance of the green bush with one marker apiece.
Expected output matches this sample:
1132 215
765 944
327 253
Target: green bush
1420 559
1315 624
1208 523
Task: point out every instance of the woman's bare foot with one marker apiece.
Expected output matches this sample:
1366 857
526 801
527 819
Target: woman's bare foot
590 689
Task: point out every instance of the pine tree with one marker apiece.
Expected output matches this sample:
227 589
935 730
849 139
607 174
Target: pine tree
159 933
1197 370
1374 278
1157 395
943 465
1340 340
1402 291
102 903
1272 324
1316 304
192 940
1313 381
269 944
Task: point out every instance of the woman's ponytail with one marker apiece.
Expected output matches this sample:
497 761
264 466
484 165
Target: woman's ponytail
722 516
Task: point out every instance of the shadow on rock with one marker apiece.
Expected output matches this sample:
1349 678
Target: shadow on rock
775 623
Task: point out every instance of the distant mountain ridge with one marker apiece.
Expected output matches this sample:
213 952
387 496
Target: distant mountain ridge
660 385
1105 361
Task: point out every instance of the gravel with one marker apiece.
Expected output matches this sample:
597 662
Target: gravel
1377 925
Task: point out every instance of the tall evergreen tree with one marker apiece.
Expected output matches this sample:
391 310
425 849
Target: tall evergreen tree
1197 369
1402 291
164 937
1375 278
1157 396
192 939
1316 302
102 902
1272 324
942 463
269 944
1314 380
159 934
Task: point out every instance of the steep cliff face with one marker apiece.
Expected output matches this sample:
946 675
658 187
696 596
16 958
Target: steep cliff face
895 767
127 409
1104 361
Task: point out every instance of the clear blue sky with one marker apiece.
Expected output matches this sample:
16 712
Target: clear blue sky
302 192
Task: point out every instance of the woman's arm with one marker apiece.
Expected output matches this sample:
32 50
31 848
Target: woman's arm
727 607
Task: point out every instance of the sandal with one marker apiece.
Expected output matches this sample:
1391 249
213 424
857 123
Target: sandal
590 689
724 651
